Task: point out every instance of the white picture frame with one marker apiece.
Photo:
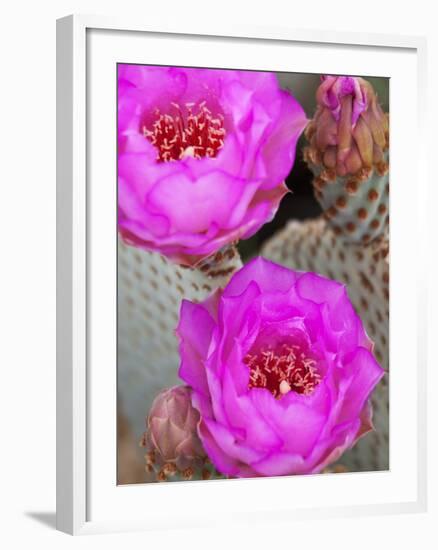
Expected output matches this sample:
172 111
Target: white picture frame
88 500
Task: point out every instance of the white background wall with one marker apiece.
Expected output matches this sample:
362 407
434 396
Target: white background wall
27 273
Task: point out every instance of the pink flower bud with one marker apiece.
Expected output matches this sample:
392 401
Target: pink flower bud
349 132
172 427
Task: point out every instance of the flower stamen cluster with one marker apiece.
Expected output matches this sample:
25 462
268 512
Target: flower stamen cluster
192 134
282 370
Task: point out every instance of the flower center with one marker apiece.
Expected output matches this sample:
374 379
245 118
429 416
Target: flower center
283 369
191 131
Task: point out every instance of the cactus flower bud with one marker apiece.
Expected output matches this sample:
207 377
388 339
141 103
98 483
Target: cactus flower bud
349 131
348 155
172 428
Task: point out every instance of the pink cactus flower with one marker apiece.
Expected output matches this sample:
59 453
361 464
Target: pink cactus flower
281 371
203 155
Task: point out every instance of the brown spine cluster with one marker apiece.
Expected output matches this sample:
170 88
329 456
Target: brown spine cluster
161 470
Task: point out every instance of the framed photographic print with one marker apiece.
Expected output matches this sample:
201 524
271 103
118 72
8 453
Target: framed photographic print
233 284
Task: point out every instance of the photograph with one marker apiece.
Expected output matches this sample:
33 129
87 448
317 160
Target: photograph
252 273
212 274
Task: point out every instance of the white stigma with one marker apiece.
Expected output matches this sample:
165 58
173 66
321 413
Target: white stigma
188 152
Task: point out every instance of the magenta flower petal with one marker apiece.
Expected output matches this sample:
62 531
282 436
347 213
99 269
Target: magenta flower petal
267 275
284 372
195 337
278 155
339 310
230 443
278 464
203 155
239 408
234 309
331 448
364 376
304 422
222 461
